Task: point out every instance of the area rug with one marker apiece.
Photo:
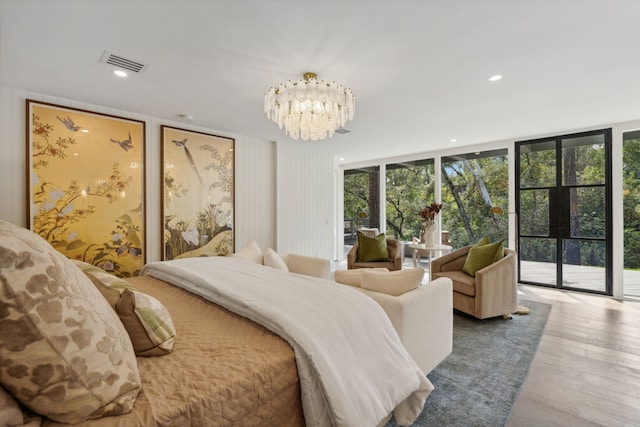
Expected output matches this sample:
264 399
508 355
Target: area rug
477 384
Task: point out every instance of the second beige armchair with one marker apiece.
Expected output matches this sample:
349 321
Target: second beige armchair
492 292
394 263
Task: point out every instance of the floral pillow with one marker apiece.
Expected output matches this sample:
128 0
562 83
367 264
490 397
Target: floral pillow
64 353
147 321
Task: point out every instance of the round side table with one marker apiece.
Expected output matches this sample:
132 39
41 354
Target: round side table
420 249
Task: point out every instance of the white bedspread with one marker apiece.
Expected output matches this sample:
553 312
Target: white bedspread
353 369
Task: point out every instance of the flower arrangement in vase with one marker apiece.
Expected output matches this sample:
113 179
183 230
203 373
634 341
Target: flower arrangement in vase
428 230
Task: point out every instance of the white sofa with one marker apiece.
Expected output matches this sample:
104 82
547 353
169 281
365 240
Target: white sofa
423 318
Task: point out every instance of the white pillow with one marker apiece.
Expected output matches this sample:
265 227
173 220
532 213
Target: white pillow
393 282
352 277
273 260
369 232
250 252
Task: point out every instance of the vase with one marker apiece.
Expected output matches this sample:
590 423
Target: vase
428 234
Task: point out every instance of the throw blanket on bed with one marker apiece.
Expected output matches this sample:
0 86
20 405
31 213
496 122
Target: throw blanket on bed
353 369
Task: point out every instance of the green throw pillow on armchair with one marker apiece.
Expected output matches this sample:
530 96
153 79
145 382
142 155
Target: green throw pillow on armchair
484 241
481 256
372 248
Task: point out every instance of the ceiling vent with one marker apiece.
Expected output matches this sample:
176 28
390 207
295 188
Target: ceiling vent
123 63
342 131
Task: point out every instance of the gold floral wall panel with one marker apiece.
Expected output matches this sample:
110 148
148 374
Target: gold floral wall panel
86 185
198 201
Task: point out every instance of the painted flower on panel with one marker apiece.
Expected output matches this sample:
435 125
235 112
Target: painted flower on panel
84 202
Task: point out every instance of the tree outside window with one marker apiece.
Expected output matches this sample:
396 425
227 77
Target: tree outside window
410 186
631 204
471 185
361 200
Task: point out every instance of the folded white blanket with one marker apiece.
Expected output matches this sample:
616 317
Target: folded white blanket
353 369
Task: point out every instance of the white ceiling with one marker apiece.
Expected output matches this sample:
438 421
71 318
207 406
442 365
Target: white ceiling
419 68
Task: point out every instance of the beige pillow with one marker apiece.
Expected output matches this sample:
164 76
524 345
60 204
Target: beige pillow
352 277
273 260
147 321
251 252
393 282
64 353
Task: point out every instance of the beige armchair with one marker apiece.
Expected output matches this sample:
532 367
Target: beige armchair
395 256
307 265
492 292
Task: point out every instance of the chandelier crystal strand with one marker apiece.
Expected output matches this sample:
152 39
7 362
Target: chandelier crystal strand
309 108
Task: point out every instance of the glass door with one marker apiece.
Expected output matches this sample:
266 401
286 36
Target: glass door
563 200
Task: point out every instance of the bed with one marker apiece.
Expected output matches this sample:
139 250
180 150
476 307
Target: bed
225 369
218 357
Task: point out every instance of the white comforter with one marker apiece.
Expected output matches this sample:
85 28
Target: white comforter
353 369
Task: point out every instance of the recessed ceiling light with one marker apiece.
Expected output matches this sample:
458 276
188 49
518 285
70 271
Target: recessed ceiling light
453 140
341 159
495 78
119 73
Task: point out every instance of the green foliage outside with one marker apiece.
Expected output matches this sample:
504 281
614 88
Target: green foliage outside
361 205
356 195
470 187
631 203
410 187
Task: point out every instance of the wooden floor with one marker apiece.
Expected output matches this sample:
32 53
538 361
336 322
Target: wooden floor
587 368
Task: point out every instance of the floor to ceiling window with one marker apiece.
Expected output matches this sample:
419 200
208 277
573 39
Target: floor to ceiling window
562 209
563 199
409 187
631 194
472 184
361 200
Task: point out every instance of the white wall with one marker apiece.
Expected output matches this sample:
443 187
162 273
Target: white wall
302 168
306 199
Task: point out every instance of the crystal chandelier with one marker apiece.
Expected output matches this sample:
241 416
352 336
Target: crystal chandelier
309 109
